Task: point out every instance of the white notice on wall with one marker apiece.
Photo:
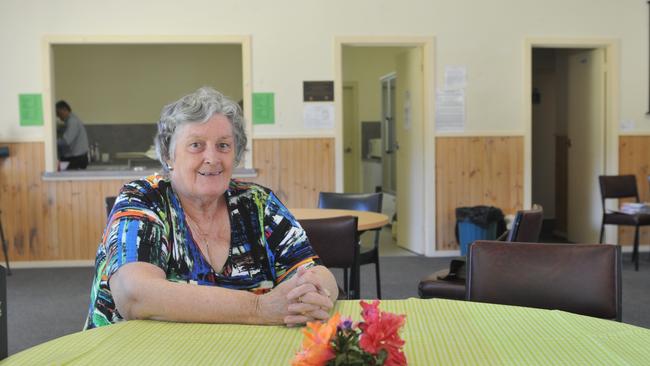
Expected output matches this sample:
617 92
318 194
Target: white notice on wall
450 110
455 77
318 115
627 125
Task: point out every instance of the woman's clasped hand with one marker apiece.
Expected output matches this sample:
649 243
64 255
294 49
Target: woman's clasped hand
309 300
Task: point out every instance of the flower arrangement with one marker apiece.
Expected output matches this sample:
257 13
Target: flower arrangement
373 341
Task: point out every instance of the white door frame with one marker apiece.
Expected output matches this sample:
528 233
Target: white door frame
428 248
610 46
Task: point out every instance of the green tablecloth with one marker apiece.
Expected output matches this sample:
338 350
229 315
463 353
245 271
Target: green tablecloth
437 332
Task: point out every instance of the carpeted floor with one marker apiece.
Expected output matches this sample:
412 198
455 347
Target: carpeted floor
43 304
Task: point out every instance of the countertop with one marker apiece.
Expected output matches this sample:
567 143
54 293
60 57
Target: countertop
121 173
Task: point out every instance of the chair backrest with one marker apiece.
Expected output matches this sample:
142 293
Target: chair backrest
527 225
351 201
617 186
579 278
109 202
334 240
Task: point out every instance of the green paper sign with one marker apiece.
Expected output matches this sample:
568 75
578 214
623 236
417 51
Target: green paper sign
31 109
263 108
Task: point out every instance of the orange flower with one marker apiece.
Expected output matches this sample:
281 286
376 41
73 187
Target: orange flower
316 349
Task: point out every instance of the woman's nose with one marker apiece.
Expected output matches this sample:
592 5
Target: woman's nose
211 155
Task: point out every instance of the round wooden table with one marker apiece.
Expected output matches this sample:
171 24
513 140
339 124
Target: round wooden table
367 220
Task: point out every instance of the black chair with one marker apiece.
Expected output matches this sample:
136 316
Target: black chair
450 283
579 278
622 186
5 249
360 202
109 202
527 225
335 240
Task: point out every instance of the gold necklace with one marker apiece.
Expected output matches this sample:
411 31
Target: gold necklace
194 227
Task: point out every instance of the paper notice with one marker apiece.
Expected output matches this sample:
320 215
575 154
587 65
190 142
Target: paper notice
450 110
455 77
627 125
318 115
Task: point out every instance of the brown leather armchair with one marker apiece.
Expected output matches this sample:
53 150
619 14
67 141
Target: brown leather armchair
579 278
450 283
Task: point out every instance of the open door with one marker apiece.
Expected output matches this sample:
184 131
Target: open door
409 124
351 141
586 155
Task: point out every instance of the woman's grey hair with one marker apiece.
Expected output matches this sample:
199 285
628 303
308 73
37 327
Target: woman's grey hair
197 107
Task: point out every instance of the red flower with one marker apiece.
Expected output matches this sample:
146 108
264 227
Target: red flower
380 332
370 312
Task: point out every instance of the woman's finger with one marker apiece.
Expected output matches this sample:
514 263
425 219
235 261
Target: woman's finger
297 320
301 290
302 308
317 299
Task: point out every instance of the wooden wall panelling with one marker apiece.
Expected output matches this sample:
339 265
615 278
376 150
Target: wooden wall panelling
266 161
634 158
295 169
474 171
64 220
54 220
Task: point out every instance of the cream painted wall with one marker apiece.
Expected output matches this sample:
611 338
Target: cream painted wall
125 84
365 65
292 41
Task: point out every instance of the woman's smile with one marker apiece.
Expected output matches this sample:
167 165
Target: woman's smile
210 174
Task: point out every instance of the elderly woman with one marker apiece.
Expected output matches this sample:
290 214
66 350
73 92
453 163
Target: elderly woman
195 245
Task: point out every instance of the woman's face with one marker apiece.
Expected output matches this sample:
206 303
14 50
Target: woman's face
204 156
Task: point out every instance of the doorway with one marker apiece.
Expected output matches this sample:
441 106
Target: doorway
568 135
388 140
388 132
351 140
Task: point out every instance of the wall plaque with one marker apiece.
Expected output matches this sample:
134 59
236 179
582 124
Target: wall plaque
318 91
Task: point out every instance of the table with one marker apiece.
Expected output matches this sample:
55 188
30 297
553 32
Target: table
367 220
437 332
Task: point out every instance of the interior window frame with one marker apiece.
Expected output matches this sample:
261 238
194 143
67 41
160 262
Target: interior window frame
49 122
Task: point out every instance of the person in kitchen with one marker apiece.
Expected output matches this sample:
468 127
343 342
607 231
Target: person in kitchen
194 245
73 141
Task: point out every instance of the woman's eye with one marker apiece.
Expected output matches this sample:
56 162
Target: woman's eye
195 145
224 147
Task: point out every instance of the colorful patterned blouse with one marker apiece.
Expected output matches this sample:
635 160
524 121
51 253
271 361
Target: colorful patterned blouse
147 224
